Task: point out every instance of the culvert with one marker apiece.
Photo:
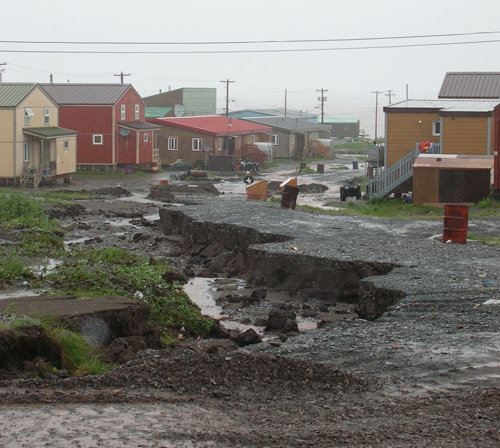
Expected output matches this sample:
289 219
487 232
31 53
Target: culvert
258 257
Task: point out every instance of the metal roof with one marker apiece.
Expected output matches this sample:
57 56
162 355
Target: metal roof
470 85
86 94
341 120
452 161
12 93
138 125
290 124
157 111
214 125
445 105
49 132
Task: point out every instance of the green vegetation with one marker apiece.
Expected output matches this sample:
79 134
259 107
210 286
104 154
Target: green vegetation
306 170
339 167
273 164
76 355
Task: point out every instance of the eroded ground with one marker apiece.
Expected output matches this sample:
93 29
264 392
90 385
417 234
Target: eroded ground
424 373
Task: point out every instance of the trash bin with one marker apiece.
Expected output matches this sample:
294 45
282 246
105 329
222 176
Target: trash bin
128 169
289 197
455 223
354 165
321 168
303 165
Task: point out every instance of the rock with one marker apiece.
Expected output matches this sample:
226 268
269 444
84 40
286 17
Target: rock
278 318
248 337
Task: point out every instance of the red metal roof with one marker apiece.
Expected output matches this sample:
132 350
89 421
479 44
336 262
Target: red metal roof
214 125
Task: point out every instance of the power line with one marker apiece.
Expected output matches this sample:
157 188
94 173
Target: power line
290 50
353 39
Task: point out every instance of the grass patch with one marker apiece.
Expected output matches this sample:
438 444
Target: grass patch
113 271
339 167
13 269
306 170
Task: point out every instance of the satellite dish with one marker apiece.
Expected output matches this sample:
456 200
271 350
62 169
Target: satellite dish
179 110
124 132
207 147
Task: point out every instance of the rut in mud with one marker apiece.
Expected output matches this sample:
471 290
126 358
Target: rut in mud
238 251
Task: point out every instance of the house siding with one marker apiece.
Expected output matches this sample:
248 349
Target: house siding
90 120
466 135
404 131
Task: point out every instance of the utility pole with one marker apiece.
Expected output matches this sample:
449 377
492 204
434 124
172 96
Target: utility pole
285 102
322 99
376 113
390 95
227 95
2 70
121 75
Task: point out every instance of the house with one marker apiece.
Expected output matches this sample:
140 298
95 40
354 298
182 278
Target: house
185 102
274 112
33 147
110 122
343 127
193 138
292 136
445 179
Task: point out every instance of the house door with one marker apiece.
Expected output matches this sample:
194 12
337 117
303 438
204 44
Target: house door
301 143
45 154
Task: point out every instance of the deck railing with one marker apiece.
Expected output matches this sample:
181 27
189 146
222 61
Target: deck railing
390 178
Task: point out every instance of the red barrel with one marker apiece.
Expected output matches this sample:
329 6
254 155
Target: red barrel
154 167
456 219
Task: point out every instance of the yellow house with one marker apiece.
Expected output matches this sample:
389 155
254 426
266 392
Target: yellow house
458 126
33 149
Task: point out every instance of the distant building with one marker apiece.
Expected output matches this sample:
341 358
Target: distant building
274 112
343 127
185 102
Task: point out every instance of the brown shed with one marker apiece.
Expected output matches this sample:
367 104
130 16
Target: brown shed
448 179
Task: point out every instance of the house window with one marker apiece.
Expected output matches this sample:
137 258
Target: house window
123 112
219 144
253 139
196 145
46 115
293 139
66 144
275 139
436 128
136 111
26 151
97 139
145 138
173 143
28 113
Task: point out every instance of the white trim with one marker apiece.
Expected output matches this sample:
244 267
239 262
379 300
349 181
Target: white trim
275 139
46 115
26 151
65 144
199 144
173 144
145 139
137 112
123 113
97 139
434 123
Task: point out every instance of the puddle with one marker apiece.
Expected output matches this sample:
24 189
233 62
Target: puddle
204 292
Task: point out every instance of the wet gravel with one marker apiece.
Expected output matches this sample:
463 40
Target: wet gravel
424 374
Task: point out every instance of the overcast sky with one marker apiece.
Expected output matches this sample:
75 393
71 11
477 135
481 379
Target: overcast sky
260 73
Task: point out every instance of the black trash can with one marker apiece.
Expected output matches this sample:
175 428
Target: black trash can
321 168
354 165
289 196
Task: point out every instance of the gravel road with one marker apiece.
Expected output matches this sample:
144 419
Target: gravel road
424 374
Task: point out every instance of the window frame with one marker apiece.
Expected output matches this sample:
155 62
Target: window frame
28 113
95 138
199 145
145 138
46 115
219 144
26 151
275 139
170 147
137 112
65 144
436 123
123 112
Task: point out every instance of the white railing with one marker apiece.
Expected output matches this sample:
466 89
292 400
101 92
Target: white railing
385 182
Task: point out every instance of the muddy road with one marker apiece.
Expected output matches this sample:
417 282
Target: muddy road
396 341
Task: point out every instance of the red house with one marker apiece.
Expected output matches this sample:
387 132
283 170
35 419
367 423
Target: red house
193 138
109 119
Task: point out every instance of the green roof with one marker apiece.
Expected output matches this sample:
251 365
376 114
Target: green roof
340 120
157 112
12 93
49 132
